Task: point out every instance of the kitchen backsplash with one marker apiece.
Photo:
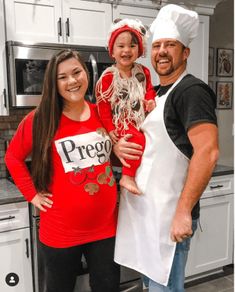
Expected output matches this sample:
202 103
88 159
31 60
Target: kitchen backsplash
8 125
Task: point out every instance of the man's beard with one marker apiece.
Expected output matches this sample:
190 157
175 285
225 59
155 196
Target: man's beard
168 71
165 72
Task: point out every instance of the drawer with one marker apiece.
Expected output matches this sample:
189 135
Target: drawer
14 216
219 185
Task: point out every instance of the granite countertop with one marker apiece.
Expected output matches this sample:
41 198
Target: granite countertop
10 194
222 170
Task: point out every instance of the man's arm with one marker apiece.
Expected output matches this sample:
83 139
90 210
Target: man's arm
204 139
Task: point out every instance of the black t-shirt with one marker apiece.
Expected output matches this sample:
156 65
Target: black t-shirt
191 102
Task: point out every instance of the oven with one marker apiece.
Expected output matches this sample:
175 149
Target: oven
26 65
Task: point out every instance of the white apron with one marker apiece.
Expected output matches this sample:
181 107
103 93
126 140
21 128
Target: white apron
143 235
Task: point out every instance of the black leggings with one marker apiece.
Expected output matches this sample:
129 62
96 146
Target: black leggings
61 266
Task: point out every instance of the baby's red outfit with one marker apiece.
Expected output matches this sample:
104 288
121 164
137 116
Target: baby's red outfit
120 104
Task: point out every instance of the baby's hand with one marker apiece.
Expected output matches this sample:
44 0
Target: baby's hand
149 105
114 136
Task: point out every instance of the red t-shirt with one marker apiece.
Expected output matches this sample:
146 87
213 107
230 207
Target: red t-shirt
83 187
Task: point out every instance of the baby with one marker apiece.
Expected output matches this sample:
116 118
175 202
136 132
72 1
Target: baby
124 91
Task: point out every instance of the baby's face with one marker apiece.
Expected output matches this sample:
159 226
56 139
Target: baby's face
125 50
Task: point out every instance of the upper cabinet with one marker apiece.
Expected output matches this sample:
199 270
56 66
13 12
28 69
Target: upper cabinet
4 108
86 23
58 21
33 21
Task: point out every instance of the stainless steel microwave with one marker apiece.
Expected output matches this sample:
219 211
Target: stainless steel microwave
26 65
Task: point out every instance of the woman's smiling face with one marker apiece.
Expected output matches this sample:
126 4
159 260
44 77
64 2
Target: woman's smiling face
72 81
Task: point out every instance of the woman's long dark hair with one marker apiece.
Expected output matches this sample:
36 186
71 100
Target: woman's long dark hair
46 121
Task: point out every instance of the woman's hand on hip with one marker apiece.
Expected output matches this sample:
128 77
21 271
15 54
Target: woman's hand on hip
42 201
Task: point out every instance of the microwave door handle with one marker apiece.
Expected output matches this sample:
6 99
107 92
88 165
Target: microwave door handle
95 76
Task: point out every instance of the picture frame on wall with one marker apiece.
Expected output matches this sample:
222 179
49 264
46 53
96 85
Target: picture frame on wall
211 62
225 62
224 92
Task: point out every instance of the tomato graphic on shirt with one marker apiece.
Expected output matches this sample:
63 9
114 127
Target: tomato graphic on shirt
78 175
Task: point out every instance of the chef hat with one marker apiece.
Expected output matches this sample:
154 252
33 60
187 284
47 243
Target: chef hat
175 22
131 25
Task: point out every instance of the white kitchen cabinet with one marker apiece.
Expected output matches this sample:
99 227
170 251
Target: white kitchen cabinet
33 21
134 3
15 248
86 23
140 3
212 244
58 21
4 106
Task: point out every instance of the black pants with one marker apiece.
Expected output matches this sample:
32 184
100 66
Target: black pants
61 266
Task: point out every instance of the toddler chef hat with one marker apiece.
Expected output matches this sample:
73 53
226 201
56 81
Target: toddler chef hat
131 25
175 22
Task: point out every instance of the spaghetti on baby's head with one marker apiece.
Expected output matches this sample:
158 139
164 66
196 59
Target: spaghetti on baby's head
133 26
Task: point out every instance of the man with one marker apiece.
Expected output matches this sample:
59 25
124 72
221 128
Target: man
154 229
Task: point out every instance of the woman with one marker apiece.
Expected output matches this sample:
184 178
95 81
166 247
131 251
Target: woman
72 182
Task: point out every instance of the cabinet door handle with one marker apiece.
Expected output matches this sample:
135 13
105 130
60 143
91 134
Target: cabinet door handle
7 218
27 247
67 27
59 27
216 187
4 97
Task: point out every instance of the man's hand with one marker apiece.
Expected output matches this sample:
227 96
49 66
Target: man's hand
127 150
181 227
41 200
114 136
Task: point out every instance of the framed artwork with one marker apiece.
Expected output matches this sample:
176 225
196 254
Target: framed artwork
211 62
224 92
225 62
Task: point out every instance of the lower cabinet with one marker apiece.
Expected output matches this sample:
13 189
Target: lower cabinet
212 244
15 250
